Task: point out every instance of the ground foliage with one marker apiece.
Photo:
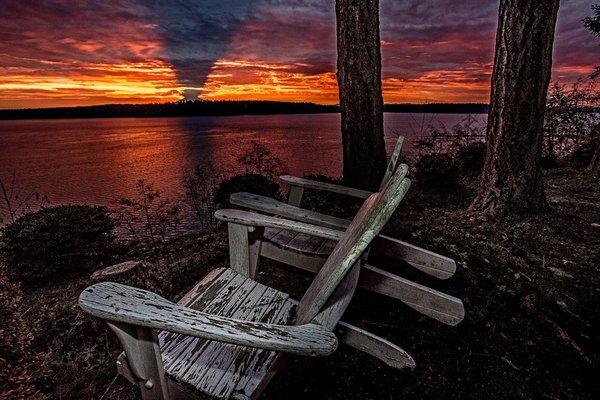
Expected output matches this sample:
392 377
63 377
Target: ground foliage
56 241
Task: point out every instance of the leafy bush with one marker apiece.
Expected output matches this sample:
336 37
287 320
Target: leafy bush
471 156
252 183
56 240
437 171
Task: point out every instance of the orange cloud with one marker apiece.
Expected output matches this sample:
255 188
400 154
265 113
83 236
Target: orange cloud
255 80
77 53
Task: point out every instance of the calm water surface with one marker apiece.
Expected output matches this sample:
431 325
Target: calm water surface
96 161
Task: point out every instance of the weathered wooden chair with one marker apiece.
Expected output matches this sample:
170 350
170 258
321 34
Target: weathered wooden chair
227 336
308 253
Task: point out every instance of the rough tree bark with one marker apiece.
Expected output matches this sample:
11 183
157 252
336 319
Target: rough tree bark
511 180
361 101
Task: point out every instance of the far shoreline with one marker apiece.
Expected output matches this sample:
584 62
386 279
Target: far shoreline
221 108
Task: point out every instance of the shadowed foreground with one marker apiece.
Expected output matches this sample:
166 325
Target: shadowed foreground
529 286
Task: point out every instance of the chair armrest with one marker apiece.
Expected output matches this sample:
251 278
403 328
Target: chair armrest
125 304
272 206
329 187
259 220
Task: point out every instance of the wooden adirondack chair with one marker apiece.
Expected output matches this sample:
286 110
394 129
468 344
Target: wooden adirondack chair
309 252
429 262
227 336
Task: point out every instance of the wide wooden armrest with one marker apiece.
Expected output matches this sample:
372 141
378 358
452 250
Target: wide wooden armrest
272 206
329 187
120 303
259 220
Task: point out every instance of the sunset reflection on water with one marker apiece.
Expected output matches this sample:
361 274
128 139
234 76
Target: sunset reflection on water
97 161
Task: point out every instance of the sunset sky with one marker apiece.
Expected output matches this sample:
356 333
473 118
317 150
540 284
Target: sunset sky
63 53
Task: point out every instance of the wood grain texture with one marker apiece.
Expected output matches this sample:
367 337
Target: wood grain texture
430 302
295 195
337 303
143 354
392 161
294 181
258 220
435 304
371 217
239 248
272 206
369 343
427 261
422 259
353 336
224 370
121 303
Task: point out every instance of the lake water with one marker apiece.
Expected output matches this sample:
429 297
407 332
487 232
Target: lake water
96 161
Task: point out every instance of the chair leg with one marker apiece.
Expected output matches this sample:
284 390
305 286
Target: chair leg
295 196
244 248
254 248
144 359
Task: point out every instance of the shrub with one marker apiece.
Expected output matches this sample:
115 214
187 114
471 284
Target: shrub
252 183
438 171
440 139
147 217
200 186
582 155
260 161
15 202
471 156
335 204
548 161
569 118
56 240
15 340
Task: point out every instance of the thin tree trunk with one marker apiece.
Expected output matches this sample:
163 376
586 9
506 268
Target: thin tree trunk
511 180
594 166
361 101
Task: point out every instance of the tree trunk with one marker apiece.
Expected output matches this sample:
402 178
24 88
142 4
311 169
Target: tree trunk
361 101
511 180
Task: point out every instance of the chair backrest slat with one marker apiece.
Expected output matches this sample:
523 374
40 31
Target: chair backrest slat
367 223
393 161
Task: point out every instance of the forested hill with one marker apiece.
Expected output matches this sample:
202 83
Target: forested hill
216 108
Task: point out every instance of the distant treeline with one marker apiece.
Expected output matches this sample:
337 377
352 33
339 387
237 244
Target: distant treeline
218 108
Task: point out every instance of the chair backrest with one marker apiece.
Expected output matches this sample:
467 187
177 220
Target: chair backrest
371 217
393 161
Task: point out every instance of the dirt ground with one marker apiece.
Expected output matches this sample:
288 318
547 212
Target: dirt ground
530 286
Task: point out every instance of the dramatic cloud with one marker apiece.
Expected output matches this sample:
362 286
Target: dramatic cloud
58 52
